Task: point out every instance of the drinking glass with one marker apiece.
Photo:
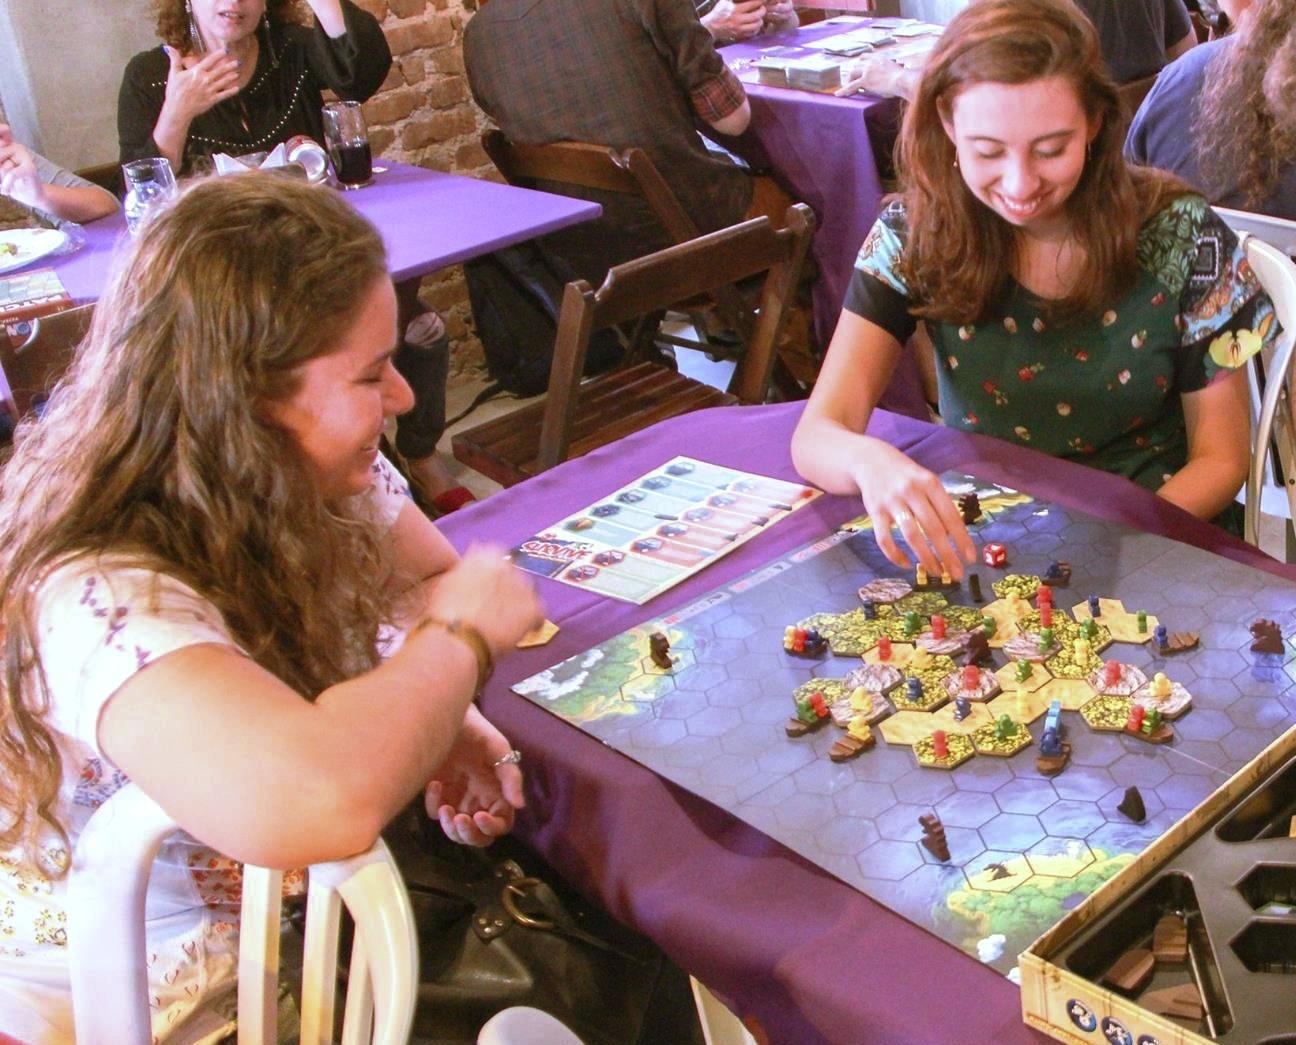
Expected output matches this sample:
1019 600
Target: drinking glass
347 138
150 185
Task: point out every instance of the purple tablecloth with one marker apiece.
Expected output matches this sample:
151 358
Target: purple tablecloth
808 956
825 150
428 220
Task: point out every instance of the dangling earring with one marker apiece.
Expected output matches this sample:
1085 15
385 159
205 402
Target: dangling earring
956 166
195 37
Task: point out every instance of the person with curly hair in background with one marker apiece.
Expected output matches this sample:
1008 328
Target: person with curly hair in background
241 76
1239 146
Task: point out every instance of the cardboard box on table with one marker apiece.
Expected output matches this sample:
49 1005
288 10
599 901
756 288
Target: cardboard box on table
1050 990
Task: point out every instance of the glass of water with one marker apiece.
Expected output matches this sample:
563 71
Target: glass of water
150 184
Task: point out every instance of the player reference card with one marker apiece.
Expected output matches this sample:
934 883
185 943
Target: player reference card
660 529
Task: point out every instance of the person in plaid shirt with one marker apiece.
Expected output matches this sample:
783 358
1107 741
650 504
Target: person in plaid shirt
620 73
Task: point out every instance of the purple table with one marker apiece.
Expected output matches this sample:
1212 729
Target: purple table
428 220
809 957
825 150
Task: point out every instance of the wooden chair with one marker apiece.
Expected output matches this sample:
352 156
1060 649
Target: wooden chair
577 417
29 369
107 947
630 172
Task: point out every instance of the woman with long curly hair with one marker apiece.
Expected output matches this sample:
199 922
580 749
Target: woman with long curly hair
203 562
1076 306
241 76
1239 145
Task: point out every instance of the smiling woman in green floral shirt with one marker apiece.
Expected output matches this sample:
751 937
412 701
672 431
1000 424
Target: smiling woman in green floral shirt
1076 306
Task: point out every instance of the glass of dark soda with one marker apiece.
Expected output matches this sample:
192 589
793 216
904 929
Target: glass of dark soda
347 138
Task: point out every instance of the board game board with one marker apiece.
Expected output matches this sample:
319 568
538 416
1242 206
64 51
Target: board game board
1024 847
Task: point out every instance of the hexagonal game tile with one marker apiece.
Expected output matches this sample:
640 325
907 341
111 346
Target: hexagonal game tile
1027 645
1005 620
943 718
832 689
1007 676
1023 585
987 688
883 590
906 728
871 706
851 634
1107 714
1171 706
1073 693
963 618
1025 708
1067 664
875 677
901 652
924 603
987 740
959 747
1122 623
933 694
1130 680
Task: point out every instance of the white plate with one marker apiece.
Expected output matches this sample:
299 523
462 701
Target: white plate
19 247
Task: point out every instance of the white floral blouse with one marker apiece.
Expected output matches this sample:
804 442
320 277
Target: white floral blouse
99 624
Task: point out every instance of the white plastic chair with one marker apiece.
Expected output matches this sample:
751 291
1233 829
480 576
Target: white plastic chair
1269 244
106 942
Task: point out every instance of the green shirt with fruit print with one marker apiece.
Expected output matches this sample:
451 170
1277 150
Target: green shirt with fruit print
1104 391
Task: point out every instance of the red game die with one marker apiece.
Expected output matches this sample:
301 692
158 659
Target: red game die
994 554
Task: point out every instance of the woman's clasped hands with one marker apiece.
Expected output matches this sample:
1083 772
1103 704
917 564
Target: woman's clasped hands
478 787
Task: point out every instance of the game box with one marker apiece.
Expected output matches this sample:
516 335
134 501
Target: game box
1192 942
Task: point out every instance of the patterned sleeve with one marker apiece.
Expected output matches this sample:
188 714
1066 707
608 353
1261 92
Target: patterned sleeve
99 623
688 48
876 291
385 498
1225 317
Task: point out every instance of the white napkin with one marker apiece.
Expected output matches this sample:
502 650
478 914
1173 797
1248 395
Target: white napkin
226 164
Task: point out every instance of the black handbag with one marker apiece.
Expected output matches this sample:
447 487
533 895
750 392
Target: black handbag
497 927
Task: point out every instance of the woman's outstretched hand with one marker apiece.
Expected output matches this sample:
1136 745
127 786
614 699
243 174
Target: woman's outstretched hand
899 493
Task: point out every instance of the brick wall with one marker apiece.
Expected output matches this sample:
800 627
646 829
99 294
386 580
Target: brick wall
423 114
